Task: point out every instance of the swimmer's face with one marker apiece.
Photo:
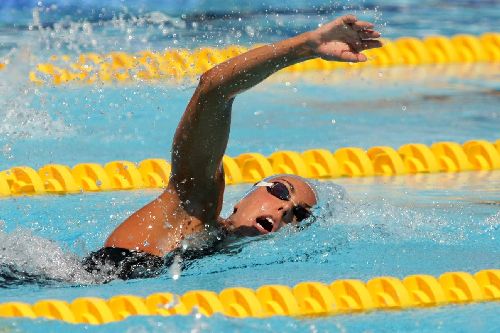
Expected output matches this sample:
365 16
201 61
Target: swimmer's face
271 205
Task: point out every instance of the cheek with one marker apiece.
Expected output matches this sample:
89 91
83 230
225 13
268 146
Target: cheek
252 201
257 203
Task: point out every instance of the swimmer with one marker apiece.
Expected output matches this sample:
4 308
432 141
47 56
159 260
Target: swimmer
192 201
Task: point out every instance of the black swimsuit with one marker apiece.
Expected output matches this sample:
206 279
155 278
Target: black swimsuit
112 263
115 262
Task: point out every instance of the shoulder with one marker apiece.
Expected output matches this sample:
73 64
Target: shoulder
198 198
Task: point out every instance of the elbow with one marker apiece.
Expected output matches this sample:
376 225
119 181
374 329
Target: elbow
211 86
209 83
205 78
205 85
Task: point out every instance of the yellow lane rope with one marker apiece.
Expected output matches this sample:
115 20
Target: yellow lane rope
305 299
181 63
410 158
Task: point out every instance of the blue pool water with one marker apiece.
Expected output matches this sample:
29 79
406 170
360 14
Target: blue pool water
367 227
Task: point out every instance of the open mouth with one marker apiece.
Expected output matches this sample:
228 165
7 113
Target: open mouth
266 223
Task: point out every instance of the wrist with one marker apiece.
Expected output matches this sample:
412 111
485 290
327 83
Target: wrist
309 44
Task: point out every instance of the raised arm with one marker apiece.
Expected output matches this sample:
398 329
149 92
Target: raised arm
193 198
201 137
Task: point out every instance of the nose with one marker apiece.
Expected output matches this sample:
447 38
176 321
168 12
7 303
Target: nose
285 214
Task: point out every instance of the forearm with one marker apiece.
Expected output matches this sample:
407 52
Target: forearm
202 134
243 72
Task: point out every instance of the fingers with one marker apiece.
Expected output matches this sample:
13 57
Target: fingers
370 44
362 25
353 21
343 20
361 57
349 56
363 28
362 45
368 34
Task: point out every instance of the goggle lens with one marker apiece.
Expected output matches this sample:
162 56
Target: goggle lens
280 191
301 213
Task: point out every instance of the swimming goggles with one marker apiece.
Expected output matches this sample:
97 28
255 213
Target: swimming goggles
280 191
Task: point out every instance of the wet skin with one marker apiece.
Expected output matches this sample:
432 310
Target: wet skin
192 200
260 212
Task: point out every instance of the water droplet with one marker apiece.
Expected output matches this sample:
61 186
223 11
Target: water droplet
175 268
7 150
403 108
175 301
196 311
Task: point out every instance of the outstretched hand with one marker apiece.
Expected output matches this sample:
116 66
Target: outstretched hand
343 39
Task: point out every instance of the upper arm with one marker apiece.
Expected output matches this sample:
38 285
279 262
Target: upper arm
198 148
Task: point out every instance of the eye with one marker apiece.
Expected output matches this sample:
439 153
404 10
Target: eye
235 210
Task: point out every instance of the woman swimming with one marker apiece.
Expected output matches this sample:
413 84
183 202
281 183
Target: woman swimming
192 201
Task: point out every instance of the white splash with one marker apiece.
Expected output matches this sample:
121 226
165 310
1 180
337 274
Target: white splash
38 256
